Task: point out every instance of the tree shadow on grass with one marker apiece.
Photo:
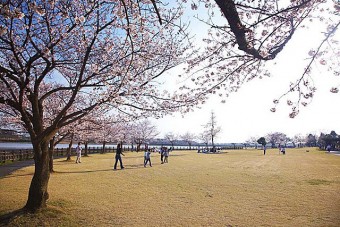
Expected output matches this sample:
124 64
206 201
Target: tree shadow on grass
126 167
223 152
132 157
82 171
175 155
5 219
48 216
17 175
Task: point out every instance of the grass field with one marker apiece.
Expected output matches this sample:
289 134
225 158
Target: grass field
233 188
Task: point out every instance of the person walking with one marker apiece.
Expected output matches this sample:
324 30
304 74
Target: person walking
147 157
162 154
283 150
78 152
119 152
328 148
166 155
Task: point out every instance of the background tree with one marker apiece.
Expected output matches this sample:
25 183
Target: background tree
188 138
212 129
276 138
332 139
205 138
172 138
311 140
252 140
299 140
57 139
143 132
262 141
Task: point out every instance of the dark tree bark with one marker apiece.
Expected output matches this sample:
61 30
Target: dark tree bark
229 11
86 149
138 146
69 149
103 149
51 152
38 194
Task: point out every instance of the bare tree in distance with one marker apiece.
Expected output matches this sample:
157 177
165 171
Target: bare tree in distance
299 140
252 140
172 138
205 138
188 138
143 132
212 129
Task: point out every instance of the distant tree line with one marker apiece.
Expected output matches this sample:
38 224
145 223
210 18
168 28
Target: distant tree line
8 135
277 139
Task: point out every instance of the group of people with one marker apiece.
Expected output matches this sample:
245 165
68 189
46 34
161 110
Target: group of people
147 156
164 151
282 150
118 156
164 155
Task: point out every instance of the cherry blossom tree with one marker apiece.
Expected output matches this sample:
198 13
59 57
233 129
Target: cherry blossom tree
75 57
60 136
253 140
204 137
253 33
299 140
276 138
143 132
189 138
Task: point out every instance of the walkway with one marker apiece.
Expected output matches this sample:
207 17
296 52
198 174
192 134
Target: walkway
9 168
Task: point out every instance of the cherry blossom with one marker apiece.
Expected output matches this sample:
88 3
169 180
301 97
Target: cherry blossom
61 61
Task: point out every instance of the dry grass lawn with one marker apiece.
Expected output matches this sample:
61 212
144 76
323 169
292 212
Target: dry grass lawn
233 188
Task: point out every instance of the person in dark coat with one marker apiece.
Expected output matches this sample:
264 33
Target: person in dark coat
264 149
119 152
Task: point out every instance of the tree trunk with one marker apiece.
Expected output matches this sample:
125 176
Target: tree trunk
51 152
103 150
86 149
69 149
212 141
38 194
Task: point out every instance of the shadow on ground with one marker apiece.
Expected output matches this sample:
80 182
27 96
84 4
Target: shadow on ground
5 219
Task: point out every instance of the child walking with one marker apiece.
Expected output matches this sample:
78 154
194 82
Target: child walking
147 155
78 152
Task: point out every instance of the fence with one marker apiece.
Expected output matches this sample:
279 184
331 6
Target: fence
26 154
